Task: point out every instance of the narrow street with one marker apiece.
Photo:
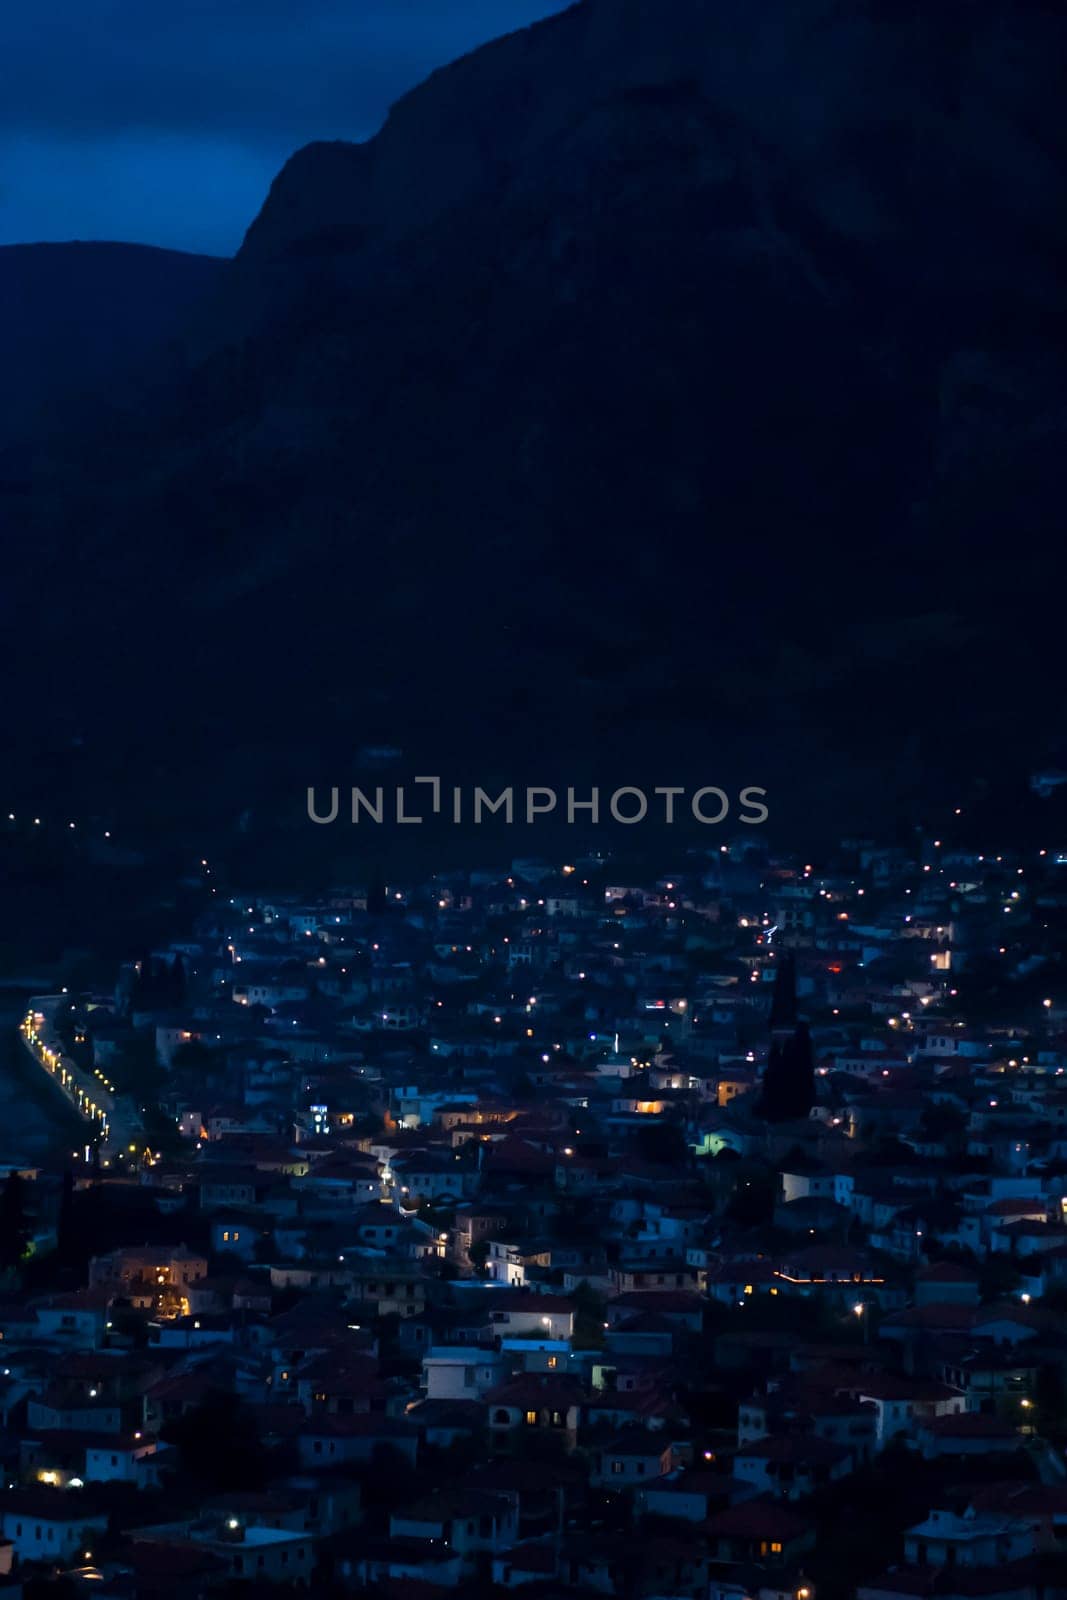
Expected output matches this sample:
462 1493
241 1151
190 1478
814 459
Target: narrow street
112 1122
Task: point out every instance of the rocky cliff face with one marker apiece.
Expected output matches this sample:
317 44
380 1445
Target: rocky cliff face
882 118
666 377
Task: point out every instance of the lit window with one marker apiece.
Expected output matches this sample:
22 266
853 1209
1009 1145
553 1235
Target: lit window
531 1418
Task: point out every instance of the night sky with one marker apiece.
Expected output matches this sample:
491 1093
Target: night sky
165 123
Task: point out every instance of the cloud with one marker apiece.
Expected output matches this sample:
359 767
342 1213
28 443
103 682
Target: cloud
182 191
243 67
164 123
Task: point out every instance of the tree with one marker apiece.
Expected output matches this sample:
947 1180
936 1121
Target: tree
14 1222
997 1278
177 980
1050 1401
193 1056
218 1444
789 1078
49 1588
377 898
67 1240
588 1318
478 1255
942 1123
752 1202
663 1141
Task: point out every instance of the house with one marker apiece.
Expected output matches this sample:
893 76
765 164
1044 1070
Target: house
245 1548
543 1401
533 1561
946 1283
900 1404
792 1466
466 1520
226 1186
431 1176
237 1232
632 1457
737 1279
391 1289
461 1372
975 1539
74 1407
418 1562
692 1495
443 1423
1015 1580
603 1563
540 1355
78 1319
548 1316
49 1524
329 1440
676 1308
967 1434
836 1271
130 1458
340 1382
653 1274
160 1265
760 1531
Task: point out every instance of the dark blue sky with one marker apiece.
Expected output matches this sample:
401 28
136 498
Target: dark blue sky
163 121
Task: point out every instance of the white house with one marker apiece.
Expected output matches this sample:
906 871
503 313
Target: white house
461 1372
49 1524
975 1539
635 1456
118 1461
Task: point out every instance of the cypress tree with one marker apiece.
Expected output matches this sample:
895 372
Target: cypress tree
14 1222
376 894
177 980
789 1077
66 1236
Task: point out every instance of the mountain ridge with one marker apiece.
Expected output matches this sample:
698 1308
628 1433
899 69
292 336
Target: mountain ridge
647 373
80 315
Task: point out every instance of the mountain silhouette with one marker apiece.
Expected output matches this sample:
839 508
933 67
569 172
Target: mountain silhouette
80 318
667 388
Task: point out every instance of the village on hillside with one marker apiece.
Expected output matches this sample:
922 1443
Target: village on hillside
692 1235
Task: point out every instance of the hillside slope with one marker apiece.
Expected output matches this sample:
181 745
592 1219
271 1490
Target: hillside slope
668 383
78 318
